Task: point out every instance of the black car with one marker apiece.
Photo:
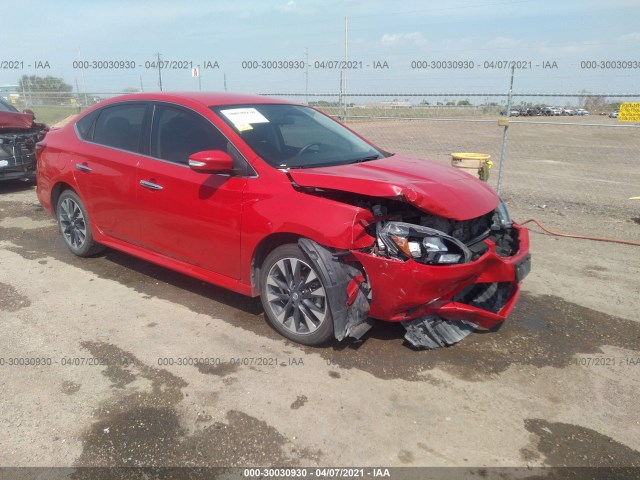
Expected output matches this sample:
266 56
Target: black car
18 137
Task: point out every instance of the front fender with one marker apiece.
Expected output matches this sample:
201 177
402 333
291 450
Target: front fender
347 313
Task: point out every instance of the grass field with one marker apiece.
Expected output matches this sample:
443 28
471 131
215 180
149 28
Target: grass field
50 114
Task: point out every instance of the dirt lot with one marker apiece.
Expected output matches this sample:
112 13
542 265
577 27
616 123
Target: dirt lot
555 386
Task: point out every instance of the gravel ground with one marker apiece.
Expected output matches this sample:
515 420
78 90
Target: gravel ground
555 386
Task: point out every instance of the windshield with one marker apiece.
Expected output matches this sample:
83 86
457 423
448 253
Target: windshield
293 136
7 107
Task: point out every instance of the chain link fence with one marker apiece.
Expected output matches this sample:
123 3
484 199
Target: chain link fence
566 165
575 168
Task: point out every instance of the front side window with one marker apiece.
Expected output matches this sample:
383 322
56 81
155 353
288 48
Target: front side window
120 127
293 136
179 133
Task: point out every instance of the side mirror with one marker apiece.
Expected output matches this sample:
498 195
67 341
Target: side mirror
211 161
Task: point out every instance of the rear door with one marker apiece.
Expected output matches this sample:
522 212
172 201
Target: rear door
105 168
190 216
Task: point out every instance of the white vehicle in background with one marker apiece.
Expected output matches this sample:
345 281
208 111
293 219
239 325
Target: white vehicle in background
568 112
582 111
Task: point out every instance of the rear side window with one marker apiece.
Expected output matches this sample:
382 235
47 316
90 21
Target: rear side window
120 127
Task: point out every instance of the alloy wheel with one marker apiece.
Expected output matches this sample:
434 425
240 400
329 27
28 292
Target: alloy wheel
72 223
296 296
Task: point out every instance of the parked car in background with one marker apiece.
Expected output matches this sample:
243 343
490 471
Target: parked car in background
512 113
19 134
582 111
614 114
568 112
278 200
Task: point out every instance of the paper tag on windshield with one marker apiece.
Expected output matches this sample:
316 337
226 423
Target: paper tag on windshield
243 117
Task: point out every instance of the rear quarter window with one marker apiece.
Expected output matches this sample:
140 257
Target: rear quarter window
85 124
120 127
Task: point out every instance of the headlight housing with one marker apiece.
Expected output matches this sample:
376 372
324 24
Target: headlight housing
501 218
423 244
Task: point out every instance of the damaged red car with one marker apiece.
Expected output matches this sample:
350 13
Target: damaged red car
278 200
19 134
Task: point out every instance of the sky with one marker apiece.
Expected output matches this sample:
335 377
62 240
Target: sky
395 48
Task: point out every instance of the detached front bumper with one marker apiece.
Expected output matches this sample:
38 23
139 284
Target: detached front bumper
482 292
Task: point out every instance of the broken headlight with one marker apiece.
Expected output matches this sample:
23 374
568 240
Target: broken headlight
501 218
423 244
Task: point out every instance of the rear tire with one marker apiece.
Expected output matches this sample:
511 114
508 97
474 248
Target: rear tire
73 221
294 297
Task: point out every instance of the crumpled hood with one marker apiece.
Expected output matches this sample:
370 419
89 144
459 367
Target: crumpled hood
11 120
437 189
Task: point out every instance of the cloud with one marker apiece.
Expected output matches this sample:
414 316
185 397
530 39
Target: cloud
291 6
577 48
415 38
503 43
630 37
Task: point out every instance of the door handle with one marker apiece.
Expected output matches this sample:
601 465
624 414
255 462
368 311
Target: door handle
150 185
83 168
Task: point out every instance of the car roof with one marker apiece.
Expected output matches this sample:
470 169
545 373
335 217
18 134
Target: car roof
207 99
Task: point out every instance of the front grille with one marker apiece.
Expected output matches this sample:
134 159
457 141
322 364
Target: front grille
487 296
18 149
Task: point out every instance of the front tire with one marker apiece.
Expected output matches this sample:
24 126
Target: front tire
74 225
294 297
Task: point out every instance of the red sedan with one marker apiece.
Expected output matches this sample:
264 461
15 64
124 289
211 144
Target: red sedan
273 199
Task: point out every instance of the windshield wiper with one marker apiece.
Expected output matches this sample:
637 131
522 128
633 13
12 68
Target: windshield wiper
365 159
317 165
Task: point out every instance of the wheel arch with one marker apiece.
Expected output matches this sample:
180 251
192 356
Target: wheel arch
350 315
56 191
266 246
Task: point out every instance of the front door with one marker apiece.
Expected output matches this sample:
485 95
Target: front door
192 217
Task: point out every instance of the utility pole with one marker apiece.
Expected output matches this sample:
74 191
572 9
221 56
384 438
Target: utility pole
24 95
199 79
30 91
84 85
225 81
340 101
306 76
78 90
159 72
346 58
505 135
141 87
